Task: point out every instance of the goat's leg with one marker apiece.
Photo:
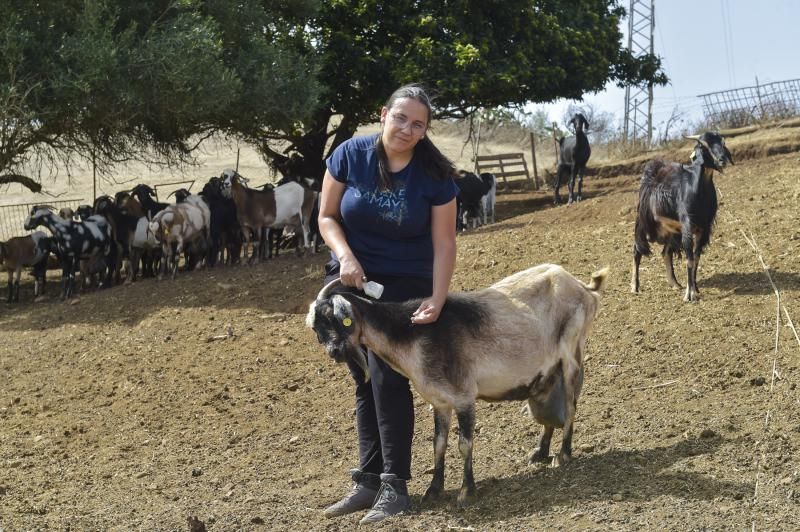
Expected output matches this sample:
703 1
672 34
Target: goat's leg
542 451
669 265
441 429
18 273
573 381
637 259
581 173
176 257
697 252
571 185
687 242
466 430
556 196
67 276
10 296
255 256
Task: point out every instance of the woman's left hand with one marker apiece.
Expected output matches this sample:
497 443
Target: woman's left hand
428 311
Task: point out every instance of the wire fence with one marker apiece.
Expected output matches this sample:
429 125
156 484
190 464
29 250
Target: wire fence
746 105
12 217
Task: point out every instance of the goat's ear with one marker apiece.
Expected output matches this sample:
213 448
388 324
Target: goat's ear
728 155
312 314
342 310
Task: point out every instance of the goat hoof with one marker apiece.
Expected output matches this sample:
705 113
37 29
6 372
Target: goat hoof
432 493
466 496
561 459
538 456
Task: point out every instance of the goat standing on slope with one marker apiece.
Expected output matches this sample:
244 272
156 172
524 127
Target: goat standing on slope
261 209
179 225
677 207
573 154
521 338
21 251
77 241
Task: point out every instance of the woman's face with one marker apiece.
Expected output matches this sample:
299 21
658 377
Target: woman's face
403 125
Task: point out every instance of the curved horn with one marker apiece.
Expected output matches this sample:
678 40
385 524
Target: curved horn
328 288
171 193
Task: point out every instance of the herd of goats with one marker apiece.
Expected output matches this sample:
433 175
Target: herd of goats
117 239
545 310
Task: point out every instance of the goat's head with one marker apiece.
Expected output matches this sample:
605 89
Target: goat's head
180 195
127 204
142 190
579 122
66 213
213 188
37 216
715 154
338 326
103 205
229 177
84 211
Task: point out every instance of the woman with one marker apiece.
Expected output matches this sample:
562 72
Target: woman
388 213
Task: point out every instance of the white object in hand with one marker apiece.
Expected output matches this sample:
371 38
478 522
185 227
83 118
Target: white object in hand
373 289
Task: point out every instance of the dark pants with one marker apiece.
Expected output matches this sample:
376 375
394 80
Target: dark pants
384 405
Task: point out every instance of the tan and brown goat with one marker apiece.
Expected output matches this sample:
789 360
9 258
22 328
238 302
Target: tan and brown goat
22 251
523 338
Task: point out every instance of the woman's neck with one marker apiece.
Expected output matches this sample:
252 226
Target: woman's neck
398 160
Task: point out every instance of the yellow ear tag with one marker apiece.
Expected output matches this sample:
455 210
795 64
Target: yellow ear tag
347 322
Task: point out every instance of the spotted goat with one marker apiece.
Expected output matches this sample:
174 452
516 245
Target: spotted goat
76 241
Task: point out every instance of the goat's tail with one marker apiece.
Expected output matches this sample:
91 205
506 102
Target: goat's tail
598 280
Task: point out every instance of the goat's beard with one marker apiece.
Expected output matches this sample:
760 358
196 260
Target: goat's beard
348 351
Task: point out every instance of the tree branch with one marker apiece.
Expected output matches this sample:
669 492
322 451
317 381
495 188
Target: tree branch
25 181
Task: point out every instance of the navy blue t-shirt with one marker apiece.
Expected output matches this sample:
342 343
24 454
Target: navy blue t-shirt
389 231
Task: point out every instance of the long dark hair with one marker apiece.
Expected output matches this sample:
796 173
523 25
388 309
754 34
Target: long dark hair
434 162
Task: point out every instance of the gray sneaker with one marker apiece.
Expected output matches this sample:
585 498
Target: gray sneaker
392 499
360 497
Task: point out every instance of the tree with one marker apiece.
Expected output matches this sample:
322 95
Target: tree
113 80
472 54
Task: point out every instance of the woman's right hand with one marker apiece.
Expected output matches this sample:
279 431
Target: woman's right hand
350 271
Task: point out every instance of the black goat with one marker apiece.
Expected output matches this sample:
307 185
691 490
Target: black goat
677 207
145 195
471 191
225 232
573 154
123 228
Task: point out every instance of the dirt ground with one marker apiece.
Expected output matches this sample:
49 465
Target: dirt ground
122 412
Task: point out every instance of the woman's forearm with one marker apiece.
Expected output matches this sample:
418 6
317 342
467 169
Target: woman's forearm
444 262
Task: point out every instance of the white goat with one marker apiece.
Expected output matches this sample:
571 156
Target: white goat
180 224
521 338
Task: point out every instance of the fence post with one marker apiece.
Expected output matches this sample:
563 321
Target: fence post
94 179
533 157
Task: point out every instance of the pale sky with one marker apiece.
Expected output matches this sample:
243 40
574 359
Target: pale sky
708 46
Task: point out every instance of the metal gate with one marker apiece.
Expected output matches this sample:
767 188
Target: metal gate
12 217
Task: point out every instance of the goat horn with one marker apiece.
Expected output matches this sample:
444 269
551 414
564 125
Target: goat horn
692 137
328 288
